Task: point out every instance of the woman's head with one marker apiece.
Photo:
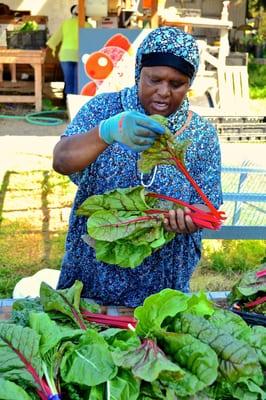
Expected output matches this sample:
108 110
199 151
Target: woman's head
74 10
166 64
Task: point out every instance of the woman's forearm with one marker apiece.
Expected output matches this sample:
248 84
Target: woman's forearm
74 153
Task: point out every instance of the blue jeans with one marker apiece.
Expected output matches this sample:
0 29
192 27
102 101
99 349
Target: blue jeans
70 71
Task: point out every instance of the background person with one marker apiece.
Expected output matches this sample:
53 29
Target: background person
67 37
99 151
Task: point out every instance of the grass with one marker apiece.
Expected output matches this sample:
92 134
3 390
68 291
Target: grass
34 217
34 211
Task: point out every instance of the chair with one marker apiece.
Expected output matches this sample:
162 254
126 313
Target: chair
75 102
233 89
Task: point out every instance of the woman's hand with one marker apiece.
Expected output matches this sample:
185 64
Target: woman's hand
179 220
132 129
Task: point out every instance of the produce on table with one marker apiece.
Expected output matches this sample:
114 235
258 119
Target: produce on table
175 347
249 293
126 225
28 26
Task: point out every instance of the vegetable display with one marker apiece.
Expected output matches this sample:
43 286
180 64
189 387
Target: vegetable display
126 225
175 347
249 293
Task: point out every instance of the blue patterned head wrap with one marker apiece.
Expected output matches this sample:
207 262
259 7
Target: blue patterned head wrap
167 40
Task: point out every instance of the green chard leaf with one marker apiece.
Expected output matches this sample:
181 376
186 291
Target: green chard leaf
163 150
51 333
88 363
66 301
124 386
237 360
123 253
19 354
146 362
197 359
156 308
127 199
120 338
121 232
248 287
10 391
113 225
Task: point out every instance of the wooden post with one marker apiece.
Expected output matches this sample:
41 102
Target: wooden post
81 7
38 86
154 14
224 36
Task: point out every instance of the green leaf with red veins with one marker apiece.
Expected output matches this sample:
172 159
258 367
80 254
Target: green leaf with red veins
163 149
126 199
114 225
146 361
66 301
20 357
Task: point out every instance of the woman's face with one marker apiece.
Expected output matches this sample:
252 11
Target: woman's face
162 89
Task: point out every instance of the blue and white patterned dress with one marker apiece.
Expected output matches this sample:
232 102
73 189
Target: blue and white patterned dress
172 265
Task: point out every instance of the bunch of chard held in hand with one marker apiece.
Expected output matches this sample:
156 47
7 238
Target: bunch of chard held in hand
166 150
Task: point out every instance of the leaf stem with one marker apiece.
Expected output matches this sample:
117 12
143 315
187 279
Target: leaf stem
256 302
183 169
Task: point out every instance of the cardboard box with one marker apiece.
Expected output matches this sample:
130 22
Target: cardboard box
108 22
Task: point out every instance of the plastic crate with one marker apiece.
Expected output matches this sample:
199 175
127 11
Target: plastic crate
250 318
32 40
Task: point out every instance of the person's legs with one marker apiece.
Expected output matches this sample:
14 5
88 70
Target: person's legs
70 76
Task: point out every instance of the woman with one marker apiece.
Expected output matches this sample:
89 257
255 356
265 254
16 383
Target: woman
100 149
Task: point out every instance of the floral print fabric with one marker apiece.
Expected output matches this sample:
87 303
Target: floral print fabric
172 265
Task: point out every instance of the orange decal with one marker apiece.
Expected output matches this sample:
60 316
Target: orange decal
89 89
119 40
98 65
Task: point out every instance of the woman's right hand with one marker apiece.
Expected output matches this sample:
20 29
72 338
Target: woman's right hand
132 129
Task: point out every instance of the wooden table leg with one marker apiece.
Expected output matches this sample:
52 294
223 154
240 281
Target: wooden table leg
1 72
13 71
38 86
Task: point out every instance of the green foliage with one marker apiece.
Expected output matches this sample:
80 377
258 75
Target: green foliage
257 80
29 26
234 255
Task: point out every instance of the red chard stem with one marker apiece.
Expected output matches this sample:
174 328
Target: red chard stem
208 203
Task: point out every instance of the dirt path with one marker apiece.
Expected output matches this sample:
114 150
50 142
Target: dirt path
24 146
15 127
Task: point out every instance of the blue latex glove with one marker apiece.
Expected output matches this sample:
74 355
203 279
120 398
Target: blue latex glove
132 129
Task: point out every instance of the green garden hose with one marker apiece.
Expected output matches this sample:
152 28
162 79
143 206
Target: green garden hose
39 118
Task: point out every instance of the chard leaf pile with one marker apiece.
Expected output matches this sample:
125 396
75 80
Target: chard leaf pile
183 348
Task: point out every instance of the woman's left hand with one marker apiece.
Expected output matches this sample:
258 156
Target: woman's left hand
179 221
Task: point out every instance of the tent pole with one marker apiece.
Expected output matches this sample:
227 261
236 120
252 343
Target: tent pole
81 5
